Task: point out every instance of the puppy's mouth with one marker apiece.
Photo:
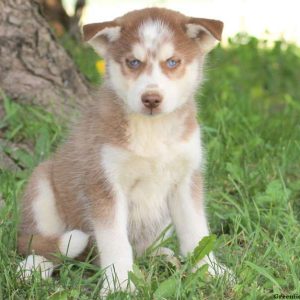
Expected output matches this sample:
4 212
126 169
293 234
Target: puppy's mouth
152 111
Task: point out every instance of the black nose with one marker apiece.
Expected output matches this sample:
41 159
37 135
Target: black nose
151 100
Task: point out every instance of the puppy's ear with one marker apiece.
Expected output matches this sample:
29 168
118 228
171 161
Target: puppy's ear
99 35
205 31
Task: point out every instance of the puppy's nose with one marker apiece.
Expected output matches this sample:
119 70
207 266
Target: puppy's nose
151 100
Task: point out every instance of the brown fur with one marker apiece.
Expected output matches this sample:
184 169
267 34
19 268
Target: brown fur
75 169
130 23
186 47
47 246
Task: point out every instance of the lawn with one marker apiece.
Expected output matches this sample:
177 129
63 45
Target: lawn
250 117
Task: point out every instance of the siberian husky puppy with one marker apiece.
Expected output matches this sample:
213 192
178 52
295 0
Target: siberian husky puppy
132 165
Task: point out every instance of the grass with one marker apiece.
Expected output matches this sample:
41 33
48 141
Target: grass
250 112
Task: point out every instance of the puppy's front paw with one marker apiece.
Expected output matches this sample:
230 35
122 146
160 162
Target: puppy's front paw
108 288
216 269
115 283
221 270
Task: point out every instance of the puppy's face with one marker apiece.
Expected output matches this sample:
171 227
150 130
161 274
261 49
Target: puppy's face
158 72
154 57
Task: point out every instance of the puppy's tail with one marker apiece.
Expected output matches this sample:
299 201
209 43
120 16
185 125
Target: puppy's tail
71 244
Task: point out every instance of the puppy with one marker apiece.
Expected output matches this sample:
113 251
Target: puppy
132 165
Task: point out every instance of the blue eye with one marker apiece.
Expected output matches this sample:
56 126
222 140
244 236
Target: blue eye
172 63
134 63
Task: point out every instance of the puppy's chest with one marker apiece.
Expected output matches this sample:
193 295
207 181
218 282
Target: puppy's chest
155 159
149 176
147 172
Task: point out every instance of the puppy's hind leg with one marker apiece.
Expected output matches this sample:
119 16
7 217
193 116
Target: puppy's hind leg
41 251
43 232
34 263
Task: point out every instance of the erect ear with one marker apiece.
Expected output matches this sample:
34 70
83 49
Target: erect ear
205 31
99 35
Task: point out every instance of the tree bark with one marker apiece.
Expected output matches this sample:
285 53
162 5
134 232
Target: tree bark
34 68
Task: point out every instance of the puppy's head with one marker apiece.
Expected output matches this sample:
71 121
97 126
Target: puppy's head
154 56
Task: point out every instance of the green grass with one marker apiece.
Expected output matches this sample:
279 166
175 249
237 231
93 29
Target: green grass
250 117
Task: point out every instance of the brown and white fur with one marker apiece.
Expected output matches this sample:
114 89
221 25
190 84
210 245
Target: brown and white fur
132 165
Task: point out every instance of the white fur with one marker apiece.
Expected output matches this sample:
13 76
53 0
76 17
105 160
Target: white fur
165 52
114 247
72 243
163 251
45 212
192 30
35 263
206 43
146 174
175 92
112 33
182 206
139 52
143 179
147 139
191 226
153 33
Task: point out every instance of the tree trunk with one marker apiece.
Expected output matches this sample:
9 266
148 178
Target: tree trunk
34 68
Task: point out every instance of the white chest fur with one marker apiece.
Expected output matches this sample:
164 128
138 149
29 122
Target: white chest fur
156 159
